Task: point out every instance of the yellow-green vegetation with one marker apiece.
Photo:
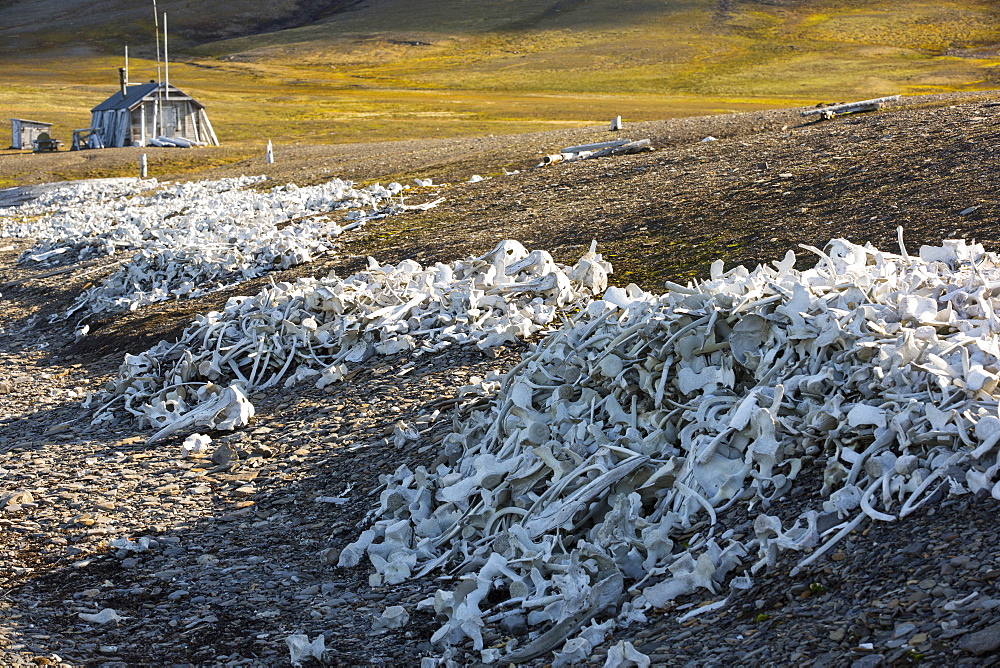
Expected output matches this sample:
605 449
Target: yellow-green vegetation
393 69
644 260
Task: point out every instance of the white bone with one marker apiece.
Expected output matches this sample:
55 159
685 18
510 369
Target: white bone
300 648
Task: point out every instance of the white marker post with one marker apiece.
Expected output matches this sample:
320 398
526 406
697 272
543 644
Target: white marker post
143 166
269 156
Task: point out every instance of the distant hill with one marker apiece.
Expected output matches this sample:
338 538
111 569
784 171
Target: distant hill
44 24
338 70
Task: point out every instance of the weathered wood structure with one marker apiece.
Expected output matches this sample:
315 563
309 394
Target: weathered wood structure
24 132
851 107
139 113
45 143
85 138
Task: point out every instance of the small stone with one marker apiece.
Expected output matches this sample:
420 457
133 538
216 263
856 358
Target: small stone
870 661
838 556
58 428
207 560
981 642
224 455
393 617
262 451
6 387
918 639
7 501
514 625
904 629
837 635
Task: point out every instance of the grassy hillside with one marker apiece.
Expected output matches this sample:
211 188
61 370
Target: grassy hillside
386 69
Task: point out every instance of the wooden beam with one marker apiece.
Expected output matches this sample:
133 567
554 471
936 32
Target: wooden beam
851 107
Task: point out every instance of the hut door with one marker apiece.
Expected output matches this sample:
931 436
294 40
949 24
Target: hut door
169 121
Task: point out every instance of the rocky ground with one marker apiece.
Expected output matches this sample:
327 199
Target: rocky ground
241 547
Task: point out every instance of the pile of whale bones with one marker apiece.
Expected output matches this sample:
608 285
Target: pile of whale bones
604 477
605 474
313 328
190 238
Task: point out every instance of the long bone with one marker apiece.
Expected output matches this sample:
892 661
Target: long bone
825 547
591 464
603 594
911 504
562 512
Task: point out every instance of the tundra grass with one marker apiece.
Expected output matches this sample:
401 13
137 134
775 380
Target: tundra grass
401 69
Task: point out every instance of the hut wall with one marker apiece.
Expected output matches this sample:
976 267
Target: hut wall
205 131
113 125
187 121
16 133
23 132
179 119
144 123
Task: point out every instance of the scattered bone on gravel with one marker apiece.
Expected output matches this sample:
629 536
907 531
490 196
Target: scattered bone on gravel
315 328
192 237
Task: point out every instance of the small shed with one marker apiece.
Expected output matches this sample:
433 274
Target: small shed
139 113
23 132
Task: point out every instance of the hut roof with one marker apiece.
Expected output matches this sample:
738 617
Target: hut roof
25 121
134 96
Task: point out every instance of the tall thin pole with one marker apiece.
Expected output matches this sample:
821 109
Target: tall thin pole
156 25
126 63
166 58
156 109
166 77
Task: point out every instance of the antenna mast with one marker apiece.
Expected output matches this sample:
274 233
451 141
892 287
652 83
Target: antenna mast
166 59
157 130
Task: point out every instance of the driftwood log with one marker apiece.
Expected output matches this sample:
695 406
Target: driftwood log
851 107
599 150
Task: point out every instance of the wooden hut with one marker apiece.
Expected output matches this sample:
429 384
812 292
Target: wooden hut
23 133
139 113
